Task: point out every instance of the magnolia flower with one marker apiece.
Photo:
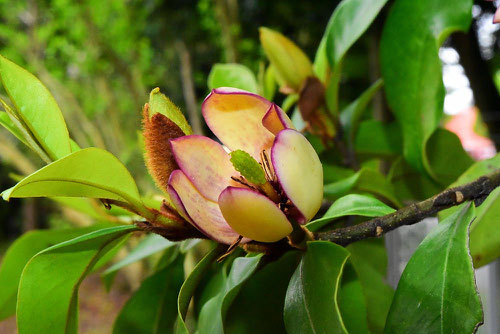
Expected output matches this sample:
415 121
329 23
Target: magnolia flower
272 174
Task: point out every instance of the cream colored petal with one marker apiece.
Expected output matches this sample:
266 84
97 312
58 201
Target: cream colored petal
253 215
235 117
299 172
204 214
276 120
205 163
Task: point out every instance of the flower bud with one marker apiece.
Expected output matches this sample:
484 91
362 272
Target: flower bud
289 61
162 121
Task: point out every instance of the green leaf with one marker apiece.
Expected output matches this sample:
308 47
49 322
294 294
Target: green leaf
351 116
352 303
148 246
90 172
37 109
364 180
369 260
27 136
268 284
351 205
232 75
349 21
484 232
7 123
48 291
437 291
379 139
311 304
189 286
160 104
19 253
411 67
213 312
152 308
442 147
410 184
248 167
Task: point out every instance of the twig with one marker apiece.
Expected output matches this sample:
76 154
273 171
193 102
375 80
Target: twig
476 191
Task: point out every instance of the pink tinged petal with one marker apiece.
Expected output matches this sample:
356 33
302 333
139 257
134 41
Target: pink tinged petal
235 117
299 172
276 120
253 215
177 203
205 163
496 18
204 214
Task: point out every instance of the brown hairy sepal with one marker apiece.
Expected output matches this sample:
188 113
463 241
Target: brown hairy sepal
157 131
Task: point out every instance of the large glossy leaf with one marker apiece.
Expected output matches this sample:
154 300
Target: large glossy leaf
484 232
153 307
311 304
190 284
36 107
213 312
349 205
90 172
411 67
268 284
349 21
369 260
19 253
48 291
437 291
352 302
232 75
148 246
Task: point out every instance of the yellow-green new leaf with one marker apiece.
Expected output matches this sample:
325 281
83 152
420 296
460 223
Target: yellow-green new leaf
160 104
91 172
288 60
37 109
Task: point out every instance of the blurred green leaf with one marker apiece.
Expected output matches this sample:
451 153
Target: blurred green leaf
311 304
152 308
262 297
37 109
411 67
19 253
48 290
90 172
378 139
349 21
191 283
442 147
213 312
437 290
351 205
364 180
233 75
150 245
351 116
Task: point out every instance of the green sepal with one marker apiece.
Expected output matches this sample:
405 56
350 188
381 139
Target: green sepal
248 167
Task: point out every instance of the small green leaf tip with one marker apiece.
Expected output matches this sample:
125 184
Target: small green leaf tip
248 167
159 103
